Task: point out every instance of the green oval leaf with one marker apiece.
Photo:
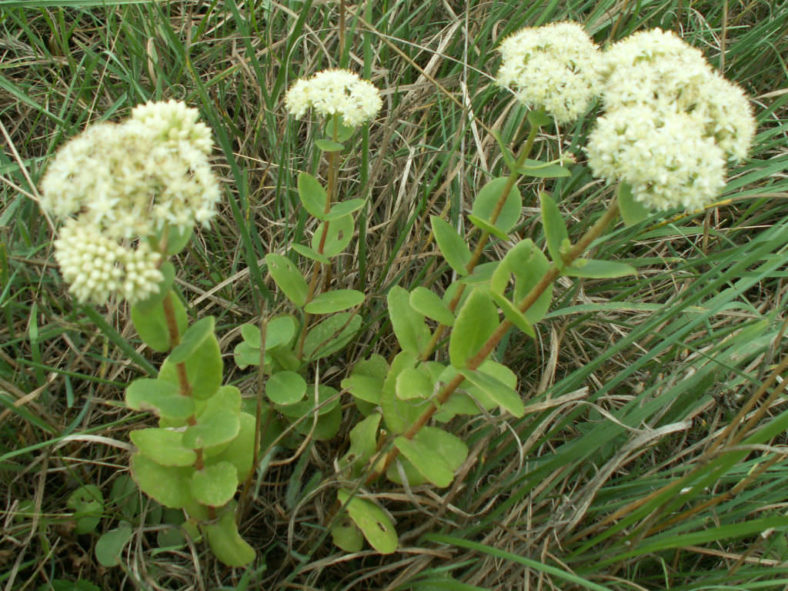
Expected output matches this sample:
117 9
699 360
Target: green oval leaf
285 387
280 332
513 314
111 543
310 253
452 246
306 407
151 324
372 521
346 535
168 485
632 211
343 208
414 382
225 541
288 278
554 228
212 428
159 396
431 305
435 453
595 269
408 324
312 195
331 335
87 502
334 301
366 380
339 235
329 145
363 442
240 451
476 322
507 398
203 369
543 170
194 336
163 446
214 485
487 201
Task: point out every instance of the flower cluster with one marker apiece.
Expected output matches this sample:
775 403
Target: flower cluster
335 92
555 68
681 105
117 184
96 266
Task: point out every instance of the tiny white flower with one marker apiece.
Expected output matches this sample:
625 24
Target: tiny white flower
554 67
335 92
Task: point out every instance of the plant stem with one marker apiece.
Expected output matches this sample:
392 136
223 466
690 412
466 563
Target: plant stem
333 165
474 362
511 181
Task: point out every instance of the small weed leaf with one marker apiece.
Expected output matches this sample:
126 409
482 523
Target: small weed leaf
150 323
528 264
372 521
487 199
203 369
111 543
452 246
245 355
288 278
335 300
554 228
430 305
280 332
632 211
194 336
163 446
477 320
285 387
251 335
486 226
312 195
340 233
214 485
87 502
435 453
595 269
225 541
408 324
169 485
160 396
336 128
306 407
331 335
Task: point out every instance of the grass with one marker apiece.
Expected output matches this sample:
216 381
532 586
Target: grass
653 455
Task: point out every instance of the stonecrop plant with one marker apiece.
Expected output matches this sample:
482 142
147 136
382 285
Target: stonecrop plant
129 195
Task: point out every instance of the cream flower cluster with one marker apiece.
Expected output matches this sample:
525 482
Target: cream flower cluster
555 67
335 92
666 160
96 266
120 184
132 179
671 122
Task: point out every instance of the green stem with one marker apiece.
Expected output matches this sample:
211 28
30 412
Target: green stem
474 362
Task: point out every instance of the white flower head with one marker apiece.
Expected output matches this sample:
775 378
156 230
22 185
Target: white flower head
131 179
665 156
96 266
658 69
335 92
554 67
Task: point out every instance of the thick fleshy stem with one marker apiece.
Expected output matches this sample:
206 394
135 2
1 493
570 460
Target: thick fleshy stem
553 272
511 181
